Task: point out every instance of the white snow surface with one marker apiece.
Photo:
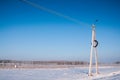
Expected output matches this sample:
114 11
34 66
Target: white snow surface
74 73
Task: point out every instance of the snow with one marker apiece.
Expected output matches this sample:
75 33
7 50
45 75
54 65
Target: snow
74 73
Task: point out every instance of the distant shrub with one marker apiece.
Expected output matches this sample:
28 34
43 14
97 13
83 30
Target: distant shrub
118 62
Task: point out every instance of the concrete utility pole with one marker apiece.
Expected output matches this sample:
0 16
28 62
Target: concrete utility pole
93 48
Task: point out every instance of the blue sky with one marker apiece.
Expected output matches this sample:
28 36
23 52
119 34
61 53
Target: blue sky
28 33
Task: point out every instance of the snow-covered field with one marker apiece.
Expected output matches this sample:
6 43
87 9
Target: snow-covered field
74 73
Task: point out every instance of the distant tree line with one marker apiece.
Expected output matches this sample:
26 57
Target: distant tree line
117 62
41 64
38 64
45 62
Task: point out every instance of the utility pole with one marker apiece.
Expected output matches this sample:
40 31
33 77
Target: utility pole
93 49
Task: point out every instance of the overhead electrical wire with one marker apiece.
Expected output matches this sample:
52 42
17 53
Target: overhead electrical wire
52 12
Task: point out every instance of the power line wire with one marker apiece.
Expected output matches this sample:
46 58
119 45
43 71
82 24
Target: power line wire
53 12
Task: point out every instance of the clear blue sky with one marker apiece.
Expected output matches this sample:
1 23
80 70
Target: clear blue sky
28 33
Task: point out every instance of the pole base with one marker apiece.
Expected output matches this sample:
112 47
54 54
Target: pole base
97 73
90 74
